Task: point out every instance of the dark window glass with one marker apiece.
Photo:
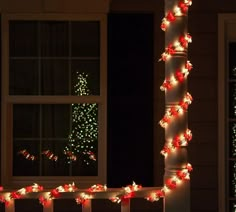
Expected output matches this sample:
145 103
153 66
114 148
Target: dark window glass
54 39
23 37
55 77
232 178
232 139
232 60
44 55
24 76
85 39
232 99
55 140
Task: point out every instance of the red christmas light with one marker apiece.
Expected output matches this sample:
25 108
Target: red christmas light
171 184
83 198
176 142
97 188
129 192
179 46
180 10
176 110
70 155
178 77
27 155
50 155
91 155
56 192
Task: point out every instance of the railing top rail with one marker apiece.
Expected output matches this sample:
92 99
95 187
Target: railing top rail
110 192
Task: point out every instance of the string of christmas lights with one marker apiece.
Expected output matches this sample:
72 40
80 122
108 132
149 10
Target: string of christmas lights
179 76
83 197
27 155
50 155
176 111
176 142
20 193
171 184
179 10
129 192
55 193
179 45
173 144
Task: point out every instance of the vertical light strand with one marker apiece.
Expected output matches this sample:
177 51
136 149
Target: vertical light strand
175 120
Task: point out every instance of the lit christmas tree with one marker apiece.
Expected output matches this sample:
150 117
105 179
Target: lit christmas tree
84 130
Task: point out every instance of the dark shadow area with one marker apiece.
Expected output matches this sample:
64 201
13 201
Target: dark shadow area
130 99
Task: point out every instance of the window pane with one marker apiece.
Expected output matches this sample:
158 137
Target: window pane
54 161
232 178
232 60
55 140
54 38
232 139
55 77
23 38
23 77
92 75
26 121
26 157
232 99
55 120
85 39
44 63
232 206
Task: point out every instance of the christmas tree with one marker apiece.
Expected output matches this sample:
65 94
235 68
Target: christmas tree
82 143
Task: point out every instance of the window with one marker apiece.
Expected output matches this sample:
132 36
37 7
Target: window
227 112
54 99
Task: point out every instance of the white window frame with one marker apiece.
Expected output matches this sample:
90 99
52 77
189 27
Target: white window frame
7 178
226 34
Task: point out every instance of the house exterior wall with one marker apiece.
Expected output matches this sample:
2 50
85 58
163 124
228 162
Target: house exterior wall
202 82
62 6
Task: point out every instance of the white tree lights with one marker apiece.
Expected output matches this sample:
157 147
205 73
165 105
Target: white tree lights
84 134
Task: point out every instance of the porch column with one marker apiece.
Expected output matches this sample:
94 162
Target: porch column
177 199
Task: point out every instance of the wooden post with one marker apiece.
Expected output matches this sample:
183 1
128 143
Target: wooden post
11 206
177 199
48 207
87 207
125 206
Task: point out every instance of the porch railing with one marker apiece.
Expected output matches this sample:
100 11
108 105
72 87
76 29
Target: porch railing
87 204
